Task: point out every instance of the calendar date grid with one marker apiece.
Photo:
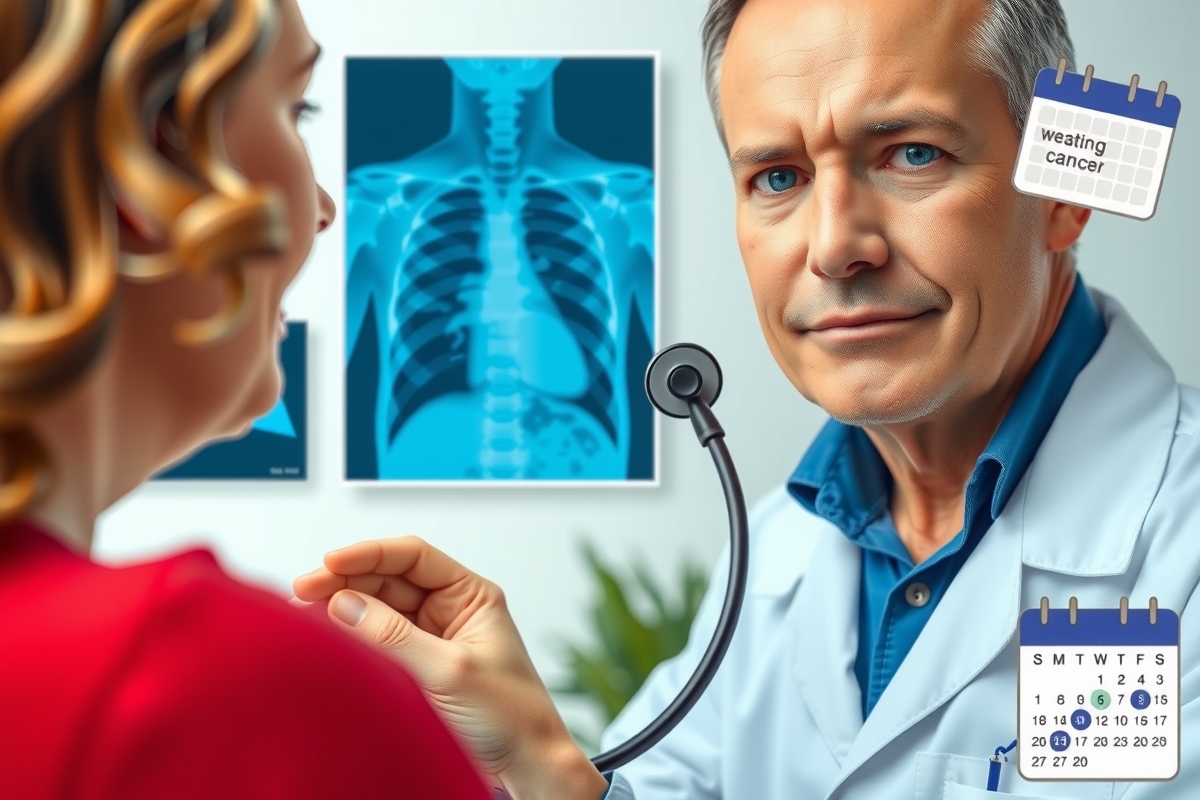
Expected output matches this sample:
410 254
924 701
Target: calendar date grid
1095 713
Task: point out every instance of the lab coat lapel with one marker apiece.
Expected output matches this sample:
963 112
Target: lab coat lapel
1113 435
975 620
826 631
1119 425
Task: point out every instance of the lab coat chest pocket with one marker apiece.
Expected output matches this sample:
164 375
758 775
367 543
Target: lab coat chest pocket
946 776
956 791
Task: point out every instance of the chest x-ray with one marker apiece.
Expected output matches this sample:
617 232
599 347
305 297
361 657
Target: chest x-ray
500 254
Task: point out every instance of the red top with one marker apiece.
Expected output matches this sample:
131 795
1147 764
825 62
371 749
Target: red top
170 679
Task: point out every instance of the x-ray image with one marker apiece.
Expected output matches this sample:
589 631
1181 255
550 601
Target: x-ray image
500 269
276 446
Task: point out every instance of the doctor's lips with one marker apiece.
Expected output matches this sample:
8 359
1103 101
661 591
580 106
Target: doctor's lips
861 324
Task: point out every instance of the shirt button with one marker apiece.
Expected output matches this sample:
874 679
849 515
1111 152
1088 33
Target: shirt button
917 594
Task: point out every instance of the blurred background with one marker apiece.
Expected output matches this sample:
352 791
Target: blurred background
602 581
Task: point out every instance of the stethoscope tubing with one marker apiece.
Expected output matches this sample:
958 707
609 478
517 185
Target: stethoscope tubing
709 432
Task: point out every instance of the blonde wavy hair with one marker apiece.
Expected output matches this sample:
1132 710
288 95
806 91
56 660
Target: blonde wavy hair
84 85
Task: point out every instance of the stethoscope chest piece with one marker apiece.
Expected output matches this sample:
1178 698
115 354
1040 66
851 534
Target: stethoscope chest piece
679 374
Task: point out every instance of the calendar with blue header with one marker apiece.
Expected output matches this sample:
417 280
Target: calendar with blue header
1096 143
1098 694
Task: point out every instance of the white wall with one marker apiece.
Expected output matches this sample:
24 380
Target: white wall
1151 266
526 539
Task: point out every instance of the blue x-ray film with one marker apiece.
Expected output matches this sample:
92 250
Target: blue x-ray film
500 261
276 446
278 420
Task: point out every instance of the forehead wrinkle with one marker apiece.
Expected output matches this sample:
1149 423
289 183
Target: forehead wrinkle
845 34
797 53
897 105
805 67
825 73
771 97
792 122
837 118
816 79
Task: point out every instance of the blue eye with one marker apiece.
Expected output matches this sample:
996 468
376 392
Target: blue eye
778 179
916 155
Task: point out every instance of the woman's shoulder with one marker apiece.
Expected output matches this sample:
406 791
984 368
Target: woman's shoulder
184 599
176 658
181 600
211 629
234 655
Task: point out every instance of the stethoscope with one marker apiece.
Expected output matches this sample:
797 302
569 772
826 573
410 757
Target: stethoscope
683 381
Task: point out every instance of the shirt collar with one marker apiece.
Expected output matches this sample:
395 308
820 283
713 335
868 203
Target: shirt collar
843 479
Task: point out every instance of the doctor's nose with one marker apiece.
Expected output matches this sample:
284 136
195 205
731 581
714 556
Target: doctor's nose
844 234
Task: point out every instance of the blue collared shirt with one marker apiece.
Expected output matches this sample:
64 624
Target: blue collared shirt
843 479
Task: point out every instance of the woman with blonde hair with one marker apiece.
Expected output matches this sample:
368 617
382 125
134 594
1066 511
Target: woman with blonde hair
156 200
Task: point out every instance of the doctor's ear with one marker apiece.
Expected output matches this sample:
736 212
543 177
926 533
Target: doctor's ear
1064 224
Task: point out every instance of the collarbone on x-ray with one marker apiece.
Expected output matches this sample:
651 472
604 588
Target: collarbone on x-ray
506 266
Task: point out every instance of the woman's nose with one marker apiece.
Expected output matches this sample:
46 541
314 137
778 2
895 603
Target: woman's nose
326 210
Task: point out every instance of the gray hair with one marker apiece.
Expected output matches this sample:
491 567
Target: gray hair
1016 40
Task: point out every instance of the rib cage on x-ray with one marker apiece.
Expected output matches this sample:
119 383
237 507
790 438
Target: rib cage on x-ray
445 295
502 291
444 260
568 259
433 333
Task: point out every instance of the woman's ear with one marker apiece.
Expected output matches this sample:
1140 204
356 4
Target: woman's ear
133 234
170 140
136 236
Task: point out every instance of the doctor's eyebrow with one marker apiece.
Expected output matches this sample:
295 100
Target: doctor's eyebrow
747 158
753 158
915 119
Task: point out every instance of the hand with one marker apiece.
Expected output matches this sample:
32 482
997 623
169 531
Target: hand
452 630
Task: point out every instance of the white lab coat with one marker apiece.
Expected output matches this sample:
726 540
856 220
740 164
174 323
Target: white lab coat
1109 507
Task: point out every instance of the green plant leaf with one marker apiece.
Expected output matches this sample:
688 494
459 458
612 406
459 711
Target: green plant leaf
645 579
622 633
627 645
609 686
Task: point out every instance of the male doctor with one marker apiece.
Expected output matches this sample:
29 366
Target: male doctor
999 433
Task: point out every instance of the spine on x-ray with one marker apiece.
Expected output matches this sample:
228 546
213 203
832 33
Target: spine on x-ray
504 452
568 259
502 108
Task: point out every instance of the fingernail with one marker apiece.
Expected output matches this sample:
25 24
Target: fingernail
296 601
349 608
